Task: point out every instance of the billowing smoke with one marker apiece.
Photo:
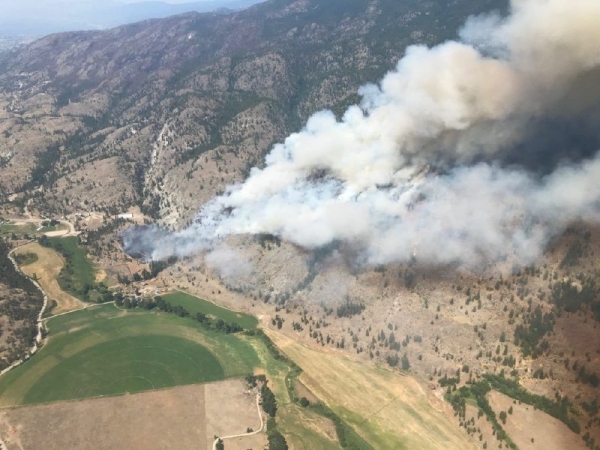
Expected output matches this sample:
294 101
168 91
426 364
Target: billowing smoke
467 152
229 264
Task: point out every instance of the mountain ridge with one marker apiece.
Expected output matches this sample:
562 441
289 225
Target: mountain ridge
286 58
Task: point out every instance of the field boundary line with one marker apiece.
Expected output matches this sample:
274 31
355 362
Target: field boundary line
80 309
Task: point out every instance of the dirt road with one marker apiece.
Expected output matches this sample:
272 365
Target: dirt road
69 229
38 338
252 433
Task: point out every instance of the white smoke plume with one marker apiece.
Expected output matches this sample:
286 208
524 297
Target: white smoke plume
437 160
228 263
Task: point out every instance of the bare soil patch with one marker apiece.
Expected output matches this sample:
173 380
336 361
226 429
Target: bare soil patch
101 276
533 429
45 270
231 410
181 418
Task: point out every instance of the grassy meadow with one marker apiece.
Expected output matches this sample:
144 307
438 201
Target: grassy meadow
197 305
387 409
8 229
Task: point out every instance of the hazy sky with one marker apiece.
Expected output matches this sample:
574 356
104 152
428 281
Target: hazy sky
168 1
37 17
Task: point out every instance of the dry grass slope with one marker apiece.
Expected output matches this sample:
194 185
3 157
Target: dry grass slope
387 409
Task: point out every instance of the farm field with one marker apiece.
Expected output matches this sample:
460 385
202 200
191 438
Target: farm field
103 351
306 430
46 270
197 305
303 428
184 417
78 277
387 409
106 351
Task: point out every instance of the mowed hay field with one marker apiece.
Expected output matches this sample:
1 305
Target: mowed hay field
197 305
46 270
103 351
387 409
180 418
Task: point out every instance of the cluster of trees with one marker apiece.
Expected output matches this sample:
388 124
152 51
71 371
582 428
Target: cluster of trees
574 254
11 277
558 408
94 237
273 350
478 391
445 381
269 405
588 377
278 321
394 359
591 408
43 172
268 402
568 297
252 379
529 335
265 240
350 308
156 267
23 259
50 223
161 304
347 437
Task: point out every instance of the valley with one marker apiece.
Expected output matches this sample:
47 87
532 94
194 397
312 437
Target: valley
367 397
416 271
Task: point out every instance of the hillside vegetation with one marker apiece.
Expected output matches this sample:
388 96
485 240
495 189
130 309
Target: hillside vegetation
20 305
164 114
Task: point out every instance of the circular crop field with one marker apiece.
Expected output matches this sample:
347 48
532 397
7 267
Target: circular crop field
103 350
128 364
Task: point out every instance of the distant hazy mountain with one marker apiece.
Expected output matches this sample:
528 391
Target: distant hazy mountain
32 18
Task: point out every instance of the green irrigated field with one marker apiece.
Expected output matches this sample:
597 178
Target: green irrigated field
106 351
196 305
81 270
128 364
